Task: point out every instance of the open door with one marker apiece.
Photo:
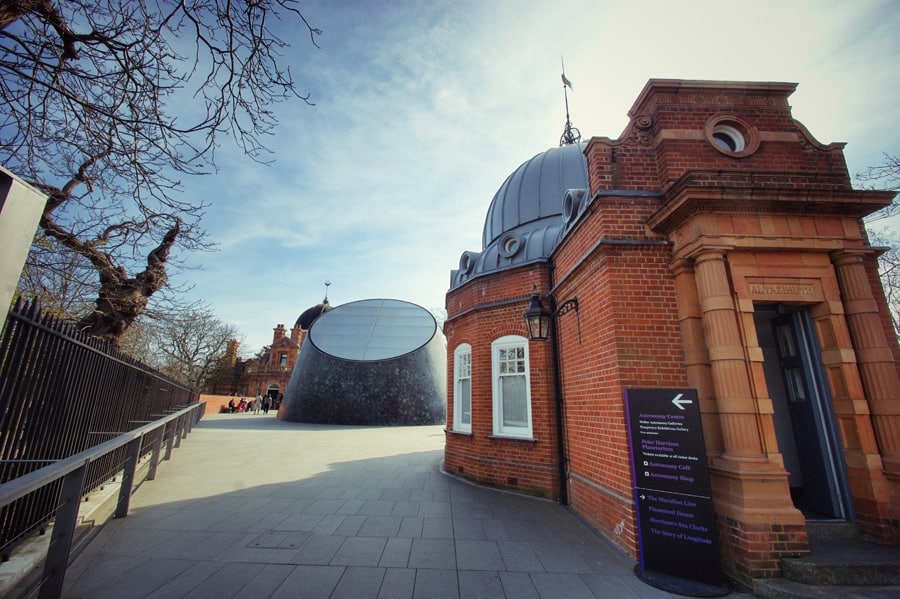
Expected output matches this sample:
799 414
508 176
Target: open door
820 487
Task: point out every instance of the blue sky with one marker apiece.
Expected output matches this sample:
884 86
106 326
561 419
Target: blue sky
423 109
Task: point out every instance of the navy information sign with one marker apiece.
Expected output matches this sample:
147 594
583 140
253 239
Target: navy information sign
676 520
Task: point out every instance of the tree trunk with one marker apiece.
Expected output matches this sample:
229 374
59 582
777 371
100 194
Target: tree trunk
122 299
13 10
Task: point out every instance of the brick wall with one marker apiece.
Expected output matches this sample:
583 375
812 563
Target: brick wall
626 332
629 338
666 138
479 312
215 403
754 550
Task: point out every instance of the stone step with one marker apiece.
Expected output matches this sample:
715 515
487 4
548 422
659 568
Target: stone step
840 564
782 588
831 529
845 562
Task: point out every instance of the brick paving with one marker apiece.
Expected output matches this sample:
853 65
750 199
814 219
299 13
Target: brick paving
252 507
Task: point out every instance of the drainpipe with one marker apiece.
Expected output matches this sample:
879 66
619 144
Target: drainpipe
557 393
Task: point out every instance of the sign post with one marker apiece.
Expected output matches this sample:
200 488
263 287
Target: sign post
676 519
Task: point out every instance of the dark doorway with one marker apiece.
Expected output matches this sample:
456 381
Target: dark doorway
804 418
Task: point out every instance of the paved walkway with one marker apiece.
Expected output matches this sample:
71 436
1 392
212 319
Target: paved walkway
253 507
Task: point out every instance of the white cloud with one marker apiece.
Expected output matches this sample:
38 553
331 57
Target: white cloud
423 109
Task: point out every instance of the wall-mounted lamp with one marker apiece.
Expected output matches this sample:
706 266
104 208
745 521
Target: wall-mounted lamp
538 320
537 317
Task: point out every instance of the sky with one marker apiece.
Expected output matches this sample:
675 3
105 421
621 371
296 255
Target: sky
423 108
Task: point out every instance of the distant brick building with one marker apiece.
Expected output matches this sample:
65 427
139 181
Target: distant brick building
715 245
269 373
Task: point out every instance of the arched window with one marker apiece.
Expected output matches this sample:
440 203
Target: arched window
511 387
462 388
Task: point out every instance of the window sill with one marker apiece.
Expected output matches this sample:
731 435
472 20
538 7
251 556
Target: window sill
512 438
460 433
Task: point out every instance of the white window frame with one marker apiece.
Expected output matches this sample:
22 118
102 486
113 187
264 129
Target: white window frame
462 371
506 343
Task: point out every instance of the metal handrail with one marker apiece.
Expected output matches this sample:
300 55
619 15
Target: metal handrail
72 471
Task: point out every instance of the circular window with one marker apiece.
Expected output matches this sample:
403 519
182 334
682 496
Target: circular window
510 244
728 138
466 262
572 203
732 136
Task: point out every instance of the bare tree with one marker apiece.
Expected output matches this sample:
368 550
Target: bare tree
87 89
886 176
189 346
889 271
138 341
887 173
883 176
63 282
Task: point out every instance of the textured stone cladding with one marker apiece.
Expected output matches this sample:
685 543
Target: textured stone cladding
401 391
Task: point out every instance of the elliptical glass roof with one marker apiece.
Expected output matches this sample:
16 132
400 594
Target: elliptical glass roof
374 329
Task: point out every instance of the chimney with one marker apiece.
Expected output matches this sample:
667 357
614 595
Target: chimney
231 350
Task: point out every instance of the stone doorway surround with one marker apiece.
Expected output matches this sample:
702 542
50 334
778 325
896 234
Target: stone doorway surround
734 247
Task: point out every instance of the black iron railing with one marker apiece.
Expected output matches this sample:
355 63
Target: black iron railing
62 393
67 479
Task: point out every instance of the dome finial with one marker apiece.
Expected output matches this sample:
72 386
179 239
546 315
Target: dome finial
327 284
570 135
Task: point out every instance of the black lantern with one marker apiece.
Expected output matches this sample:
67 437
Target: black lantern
537 319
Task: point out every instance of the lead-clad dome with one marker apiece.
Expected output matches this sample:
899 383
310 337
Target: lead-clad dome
535 190
305 320
526 216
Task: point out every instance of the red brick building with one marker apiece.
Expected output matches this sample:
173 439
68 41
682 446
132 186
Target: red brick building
715 245
269 373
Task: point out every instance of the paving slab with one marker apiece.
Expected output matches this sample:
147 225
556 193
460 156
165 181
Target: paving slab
251 506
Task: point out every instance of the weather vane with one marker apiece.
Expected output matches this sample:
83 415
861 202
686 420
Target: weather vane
570 135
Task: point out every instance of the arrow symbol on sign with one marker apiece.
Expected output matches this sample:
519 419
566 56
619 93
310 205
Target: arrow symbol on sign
679 402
